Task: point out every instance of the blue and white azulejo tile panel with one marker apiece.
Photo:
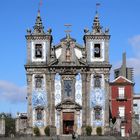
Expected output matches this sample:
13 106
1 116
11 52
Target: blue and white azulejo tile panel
57 88
78 89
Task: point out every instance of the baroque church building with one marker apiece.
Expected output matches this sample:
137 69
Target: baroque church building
68 83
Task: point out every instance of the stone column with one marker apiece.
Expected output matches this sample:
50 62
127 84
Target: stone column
17 123
2 126
29 98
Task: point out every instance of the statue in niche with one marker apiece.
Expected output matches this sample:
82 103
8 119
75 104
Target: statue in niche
97 81
38 51
38 82
68 54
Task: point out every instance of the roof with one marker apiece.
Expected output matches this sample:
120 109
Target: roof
136 96
120 80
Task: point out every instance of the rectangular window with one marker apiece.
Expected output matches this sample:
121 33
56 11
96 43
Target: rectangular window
117 74
38 81
121 92
97 111
97 50
68 88
135 105
137 116
39 114
38 50
97 81
122 111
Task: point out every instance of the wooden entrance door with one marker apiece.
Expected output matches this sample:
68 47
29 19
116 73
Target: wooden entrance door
68 122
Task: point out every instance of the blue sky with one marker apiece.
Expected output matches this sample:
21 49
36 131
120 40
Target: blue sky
122 17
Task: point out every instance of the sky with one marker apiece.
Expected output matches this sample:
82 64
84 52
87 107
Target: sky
120 16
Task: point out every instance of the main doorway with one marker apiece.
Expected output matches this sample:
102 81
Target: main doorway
68 122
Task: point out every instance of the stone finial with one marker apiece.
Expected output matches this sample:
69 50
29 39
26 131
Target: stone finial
38 28
86 30
106 30
96 24
49 31
29 31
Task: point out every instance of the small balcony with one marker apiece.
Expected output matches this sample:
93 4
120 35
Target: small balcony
121 98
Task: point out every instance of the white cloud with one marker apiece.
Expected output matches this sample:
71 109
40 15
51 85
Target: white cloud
12 93
135 43
135 61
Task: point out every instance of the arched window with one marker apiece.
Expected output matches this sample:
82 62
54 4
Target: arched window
97 50
38 50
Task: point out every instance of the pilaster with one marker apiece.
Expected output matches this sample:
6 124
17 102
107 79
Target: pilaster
52 107
84 99
29 98
88 99
106 102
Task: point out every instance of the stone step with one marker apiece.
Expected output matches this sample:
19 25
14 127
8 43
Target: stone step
66 137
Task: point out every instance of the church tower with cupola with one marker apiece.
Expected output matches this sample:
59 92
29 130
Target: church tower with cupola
68 84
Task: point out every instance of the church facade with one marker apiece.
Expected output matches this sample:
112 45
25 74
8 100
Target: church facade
68 83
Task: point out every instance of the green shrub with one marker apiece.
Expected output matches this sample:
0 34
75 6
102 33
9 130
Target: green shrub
88 130
47 131
36 131
99 131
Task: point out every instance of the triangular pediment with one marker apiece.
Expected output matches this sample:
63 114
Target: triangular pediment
122 79
68 104
68 53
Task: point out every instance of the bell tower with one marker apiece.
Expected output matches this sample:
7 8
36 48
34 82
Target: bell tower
97 49
97 43
39 52
38 43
